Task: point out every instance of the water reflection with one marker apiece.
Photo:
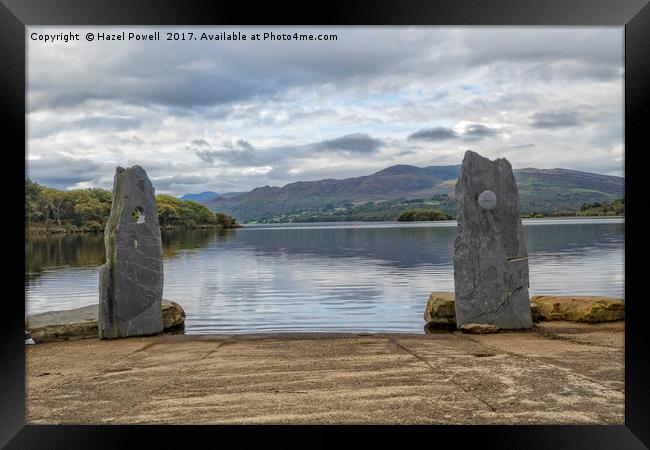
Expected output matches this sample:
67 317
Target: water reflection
62 250
87 249
402 247
174 242
347 277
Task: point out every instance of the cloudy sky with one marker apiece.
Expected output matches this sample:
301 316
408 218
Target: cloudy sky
234 115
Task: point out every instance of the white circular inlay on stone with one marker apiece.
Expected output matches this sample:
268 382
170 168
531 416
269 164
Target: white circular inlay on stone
487 199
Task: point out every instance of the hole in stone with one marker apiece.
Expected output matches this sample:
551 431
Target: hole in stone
138 215
487 199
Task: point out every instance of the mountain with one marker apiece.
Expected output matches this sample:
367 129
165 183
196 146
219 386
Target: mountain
554 190
206 196
231 194
382 194
202 197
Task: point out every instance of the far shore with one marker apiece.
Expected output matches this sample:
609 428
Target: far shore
57 230
524 219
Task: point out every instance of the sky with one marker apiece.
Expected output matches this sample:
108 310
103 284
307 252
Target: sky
229 116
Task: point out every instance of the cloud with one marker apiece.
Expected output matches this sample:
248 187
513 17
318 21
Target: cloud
207 156
351 143
130 140
200 143
60 171
106 123
522 146
241 144
472 132
405 153
238 115
198 75
240 153
433 134
543 46
477 131
554 119
171 182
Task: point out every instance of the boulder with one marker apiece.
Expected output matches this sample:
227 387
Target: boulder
173 316
589 309
440 309
440 312
131 280
81 323
536 313
490 259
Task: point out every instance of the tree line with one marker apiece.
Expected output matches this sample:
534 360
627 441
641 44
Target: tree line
415 215
49 210
614 208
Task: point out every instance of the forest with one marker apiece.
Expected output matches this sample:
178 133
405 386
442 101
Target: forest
423 214
49 210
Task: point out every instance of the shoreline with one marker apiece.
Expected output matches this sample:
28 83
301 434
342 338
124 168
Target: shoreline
315 224
557 373
439 318
60 231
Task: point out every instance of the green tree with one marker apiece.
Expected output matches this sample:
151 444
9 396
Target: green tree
34 207
422 214
88 210
168 212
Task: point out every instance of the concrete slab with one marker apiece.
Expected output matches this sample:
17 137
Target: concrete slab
509 378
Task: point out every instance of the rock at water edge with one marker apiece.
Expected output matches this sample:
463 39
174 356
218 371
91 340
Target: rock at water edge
131 280
490 259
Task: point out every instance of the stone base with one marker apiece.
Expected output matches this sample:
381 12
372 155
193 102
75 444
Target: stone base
440 312
589 309
81 323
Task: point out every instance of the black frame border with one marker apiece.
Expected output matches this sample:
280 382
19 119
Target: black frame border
634 15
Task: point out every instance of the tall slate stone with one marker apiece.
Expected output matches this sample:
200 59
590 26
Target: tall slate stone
131 280
490 259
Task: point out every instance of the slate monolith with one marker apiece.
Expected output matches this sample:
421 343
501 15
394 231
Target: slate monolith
490 259
131 280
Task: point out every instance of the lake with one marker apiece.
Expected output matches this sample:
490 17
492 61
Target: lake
343 277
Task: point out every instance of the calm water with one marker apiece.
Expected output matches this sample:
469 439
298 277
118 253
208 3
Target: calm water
356 277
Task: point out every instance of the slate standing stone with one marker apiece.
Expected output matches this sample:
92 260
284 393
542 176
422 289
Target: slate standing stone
131 280
490 259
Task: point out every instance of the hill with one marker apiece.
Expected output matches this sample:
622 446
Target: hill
388 192
202 197
206 196
49 210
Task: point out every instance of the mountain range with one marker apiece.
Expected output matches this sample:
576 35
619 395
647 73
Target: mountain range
382 195
206 196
